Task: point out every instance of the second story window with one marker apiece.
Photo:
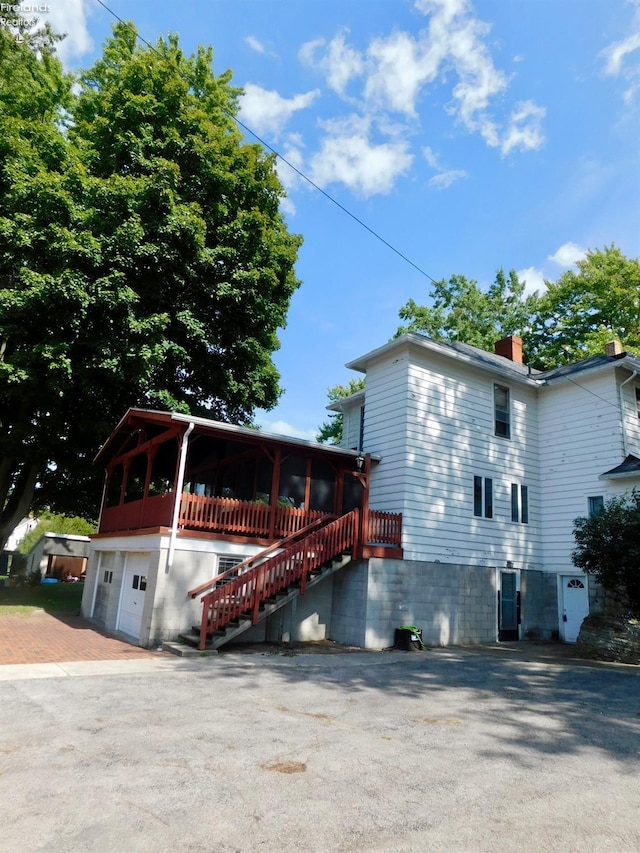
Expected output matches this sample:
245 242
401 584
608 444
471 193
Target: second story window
483 497
595 504
638 402
502 413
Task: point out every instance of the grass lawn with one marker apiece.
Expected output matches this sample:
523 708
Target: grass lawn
54 598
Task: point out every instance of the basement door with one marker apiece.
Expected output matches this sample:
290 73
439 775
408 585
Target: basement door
134 584
508 607
575 606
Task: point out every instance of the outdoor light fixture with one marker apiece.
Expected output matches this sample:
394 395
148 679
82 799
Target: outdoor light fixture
359 461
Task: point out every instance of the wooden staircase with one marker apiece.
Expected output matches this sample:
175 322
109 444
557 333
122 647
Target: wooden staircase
255 589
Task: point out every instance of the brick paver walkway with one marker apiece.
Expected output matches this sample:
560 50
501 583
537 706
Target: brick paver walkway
41 637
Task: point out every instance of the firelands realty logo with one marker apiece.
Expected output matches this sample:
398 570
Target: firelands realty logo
13 14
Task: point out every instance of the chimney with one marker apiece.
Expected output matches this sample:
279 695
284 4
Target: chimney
510 348
612 348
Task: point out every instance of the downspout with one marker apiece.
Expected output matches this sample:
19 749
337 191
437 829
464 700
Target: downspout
179 484
624 429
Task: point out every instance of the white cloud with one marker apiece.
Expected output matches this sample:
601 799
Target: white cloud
70 17
284 428
255 44
444 179
395 70
567 255
348 156
524 131
266 111
616 56
533 280
340 63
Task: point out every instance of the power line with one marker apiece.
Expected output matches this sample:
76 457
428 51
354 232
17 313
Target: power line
295 169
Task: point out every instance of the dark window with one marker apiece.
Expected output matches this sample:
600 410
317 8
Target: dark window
524 504
596 503
515 504
519 503
135 582
638 402
361 435
502 411
483 497
477 496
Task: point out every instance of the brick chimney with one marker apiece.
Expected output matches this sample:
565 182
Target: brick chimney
612 348
510 348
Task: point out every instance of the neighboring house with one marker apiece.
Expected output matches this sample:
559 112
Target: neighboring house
17 535
450 506
59 555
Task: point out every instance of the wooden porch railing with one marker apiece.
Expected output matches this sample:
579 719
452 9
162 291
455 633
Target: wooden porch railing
384 528
244 594
250 518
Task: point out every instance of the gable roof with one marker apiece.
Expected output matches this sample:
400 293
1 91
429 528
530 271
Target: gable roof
497 364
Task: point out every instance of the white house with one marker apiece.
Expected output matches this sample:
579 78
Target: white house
489 463
450 506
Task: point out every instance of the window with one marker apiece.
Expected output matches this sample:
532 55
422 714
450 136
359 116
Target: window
107 577
519 503
361 433
596 503
225 563
483 497
502 418
638 402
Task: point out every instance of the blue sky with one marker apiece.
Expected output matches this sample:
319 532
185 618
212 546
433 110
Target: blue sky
469 135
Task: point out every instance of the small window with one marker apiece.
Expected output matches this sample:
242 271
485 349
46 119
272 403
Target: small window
107 577
135 582
596 503
574 583
228 562
483 497
502 411
638 402
519 503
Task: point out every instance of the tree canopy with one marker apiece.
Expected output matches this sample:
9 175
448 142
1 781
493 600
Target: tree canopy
462 311
572 319
608 547
53 523
143 261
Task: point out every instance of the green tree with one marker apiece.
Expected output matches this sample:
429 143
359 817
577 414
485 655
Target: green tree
608 547
584 309
462 311
330 432
49 522
144 259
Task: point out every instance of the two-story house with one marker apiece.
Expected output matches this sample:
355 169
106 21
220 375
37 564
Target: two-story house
450 506
489 463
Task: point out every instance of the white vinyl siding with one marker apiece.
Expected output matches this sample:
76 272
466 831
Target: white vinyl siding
581 425
432 422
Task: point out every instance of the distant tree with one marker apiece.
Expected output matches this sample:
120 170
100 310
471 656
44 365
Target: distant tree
608 547
462 311
584 309
53 523
330 432
143 259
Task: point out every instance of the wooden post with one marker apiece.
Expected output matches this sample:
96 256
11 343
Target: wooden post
307 485
275 488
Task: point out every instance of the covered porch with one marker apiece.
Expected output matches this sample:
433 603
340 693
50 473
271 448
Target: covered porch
233 483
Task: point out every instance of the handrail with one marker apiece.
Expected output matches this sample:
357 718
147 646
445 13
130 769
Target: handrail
282 543
244 593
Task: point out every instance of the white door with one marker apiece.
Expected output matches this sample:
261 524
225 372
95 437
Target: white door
134 584
575 606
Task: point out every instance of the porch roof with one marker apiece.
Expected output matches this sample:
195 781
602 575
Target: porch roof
136 418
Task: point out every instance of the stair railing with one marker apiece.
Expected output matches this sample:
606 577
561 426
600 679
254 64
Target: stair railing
243 595
242 567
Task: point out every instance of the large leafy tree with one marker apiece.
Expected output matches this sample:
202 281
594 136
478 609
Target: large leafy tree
585 308
608 547
144 259
461 311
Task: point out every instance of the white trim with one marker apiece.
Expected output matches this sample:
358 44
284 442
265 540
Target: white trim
94 594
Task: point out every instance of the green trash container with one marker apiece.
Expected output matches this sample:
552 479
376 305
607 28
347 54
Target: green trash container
408 638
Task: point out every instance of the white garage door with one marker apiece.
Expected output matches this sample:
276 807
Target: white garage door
134 584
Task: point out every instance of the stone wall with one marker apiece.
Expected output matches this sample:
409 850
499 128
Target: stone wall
610 638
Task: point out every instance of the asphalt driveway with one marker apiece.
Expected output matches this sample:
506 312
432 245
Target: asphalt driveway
438 750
